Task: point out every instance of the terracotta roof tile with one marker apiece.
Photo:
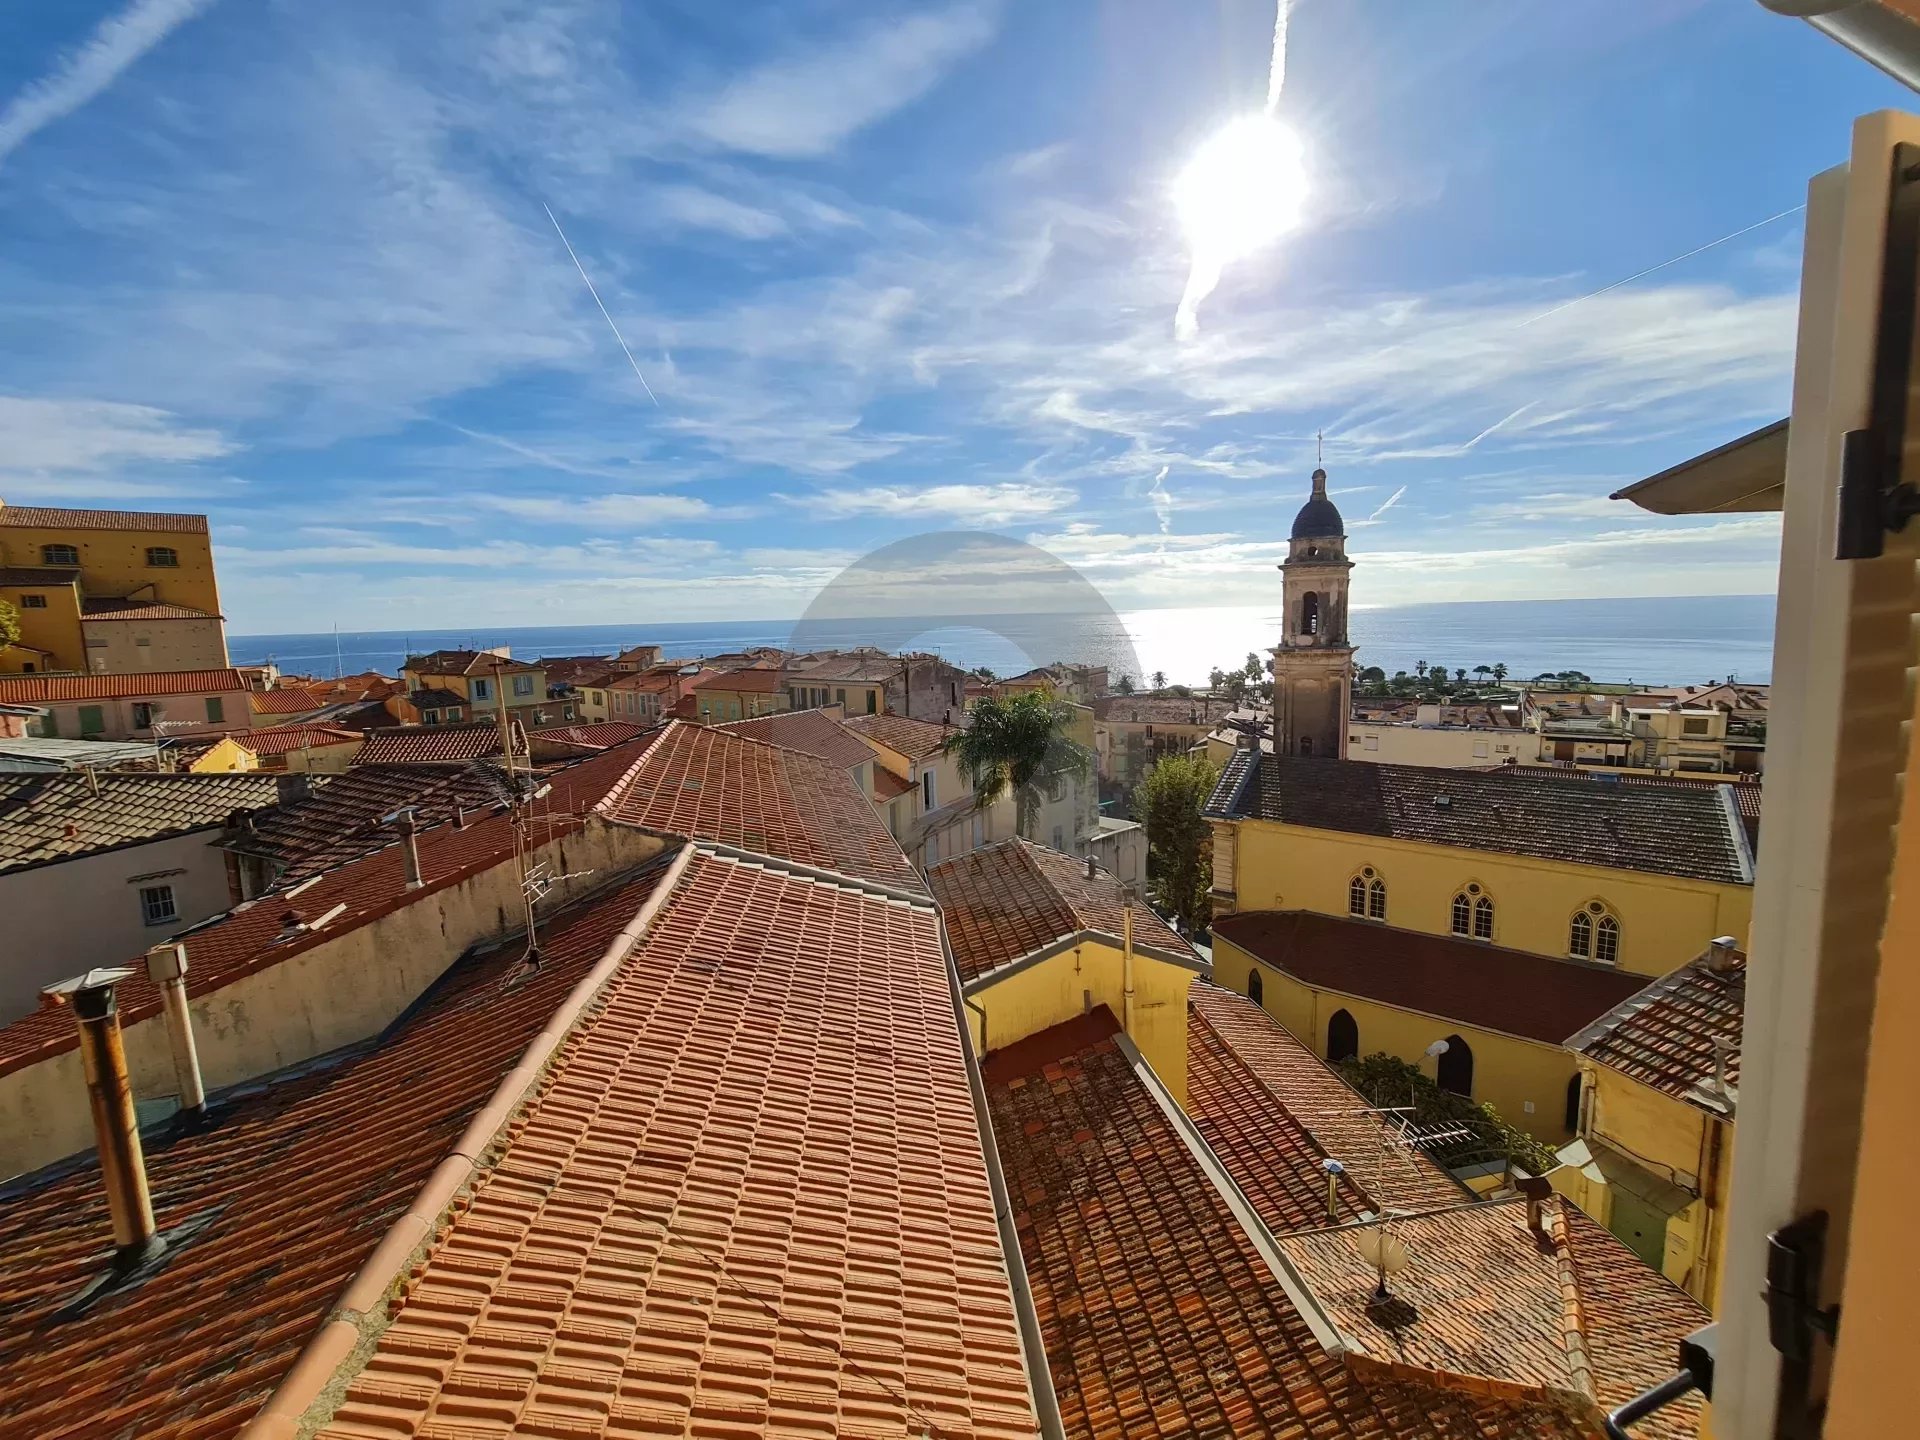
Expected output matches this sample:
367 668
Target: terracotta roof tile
599 736
1007 900
1525 811
889 786
28 689
47 818
435 744
340 819
915 739
712 783
95 609
813 732
1273 1111
1510 991
1199 710
746 1198
39 575
303 1175
284 739
58 518
464 662
1663 1036
1159 1314
1229 799
295 701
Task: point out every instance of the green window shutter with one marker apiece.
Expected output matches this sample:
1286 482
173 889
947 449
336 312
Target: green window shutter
48 725
216 710
91 722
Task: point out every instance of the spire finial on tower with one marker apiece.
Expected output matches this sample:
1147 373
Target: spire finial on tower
1319 447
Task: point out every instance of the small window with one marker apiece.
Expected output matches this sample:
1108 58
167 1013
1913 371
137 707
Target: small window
163 557
142 715
1377 899
1571 1121
1343 1037
33 602
1254 987
216 710
156 904
926 790
523 684
482 689
840 697
1454 1069
1580 936
1483 919
1462 914
873 702
1480 750
59 555
1606 941
430 717
453 714
1372 742
1356 896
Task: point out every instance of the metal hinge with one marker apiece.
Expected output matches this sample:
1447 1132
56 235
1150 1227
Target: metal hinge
1795 1254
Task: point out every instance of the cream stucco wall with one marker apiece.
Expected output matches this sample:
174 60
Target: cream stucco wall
339 992
1449 748
60 920
131 647
1664 920
1524 1080
1074 981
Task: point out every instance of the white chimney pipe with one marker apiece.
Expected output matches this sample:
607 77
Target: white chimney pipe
167 968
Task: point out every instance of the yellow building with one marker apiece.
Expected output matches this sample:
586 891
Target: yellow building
1350 987
456 686
716 696
305 749
109 592
1661 1074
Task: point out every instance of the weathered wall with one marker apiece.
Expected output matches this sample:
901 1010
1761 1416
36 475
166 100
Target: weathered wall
131 647
335 994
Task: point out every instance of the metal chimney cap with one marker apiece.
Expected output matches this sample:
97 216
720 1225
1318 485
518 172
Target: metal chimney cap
90 995
166 961
1333 1166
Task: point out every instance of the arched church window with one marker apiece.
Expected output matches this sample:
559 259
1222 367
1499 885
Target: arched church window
1310 613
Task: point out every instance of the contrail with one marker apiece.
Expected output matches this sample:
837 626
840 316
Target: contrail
602 304
1392 500
1277 69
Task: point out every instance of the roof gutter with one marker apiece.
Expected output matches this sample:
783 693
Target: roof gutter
1872 29
1033 1346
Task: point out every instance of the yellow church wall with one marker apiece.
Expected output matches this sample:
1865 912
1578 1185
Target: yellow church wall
114 562
1524 1080
1664 920
1067 984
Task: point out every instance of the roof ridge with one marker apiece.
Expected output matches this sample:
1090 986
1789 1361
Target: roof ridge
1651 993
1573 1312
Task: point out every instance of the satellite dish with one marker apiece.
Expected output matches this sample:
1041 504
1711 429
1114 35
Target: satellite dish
1384 1252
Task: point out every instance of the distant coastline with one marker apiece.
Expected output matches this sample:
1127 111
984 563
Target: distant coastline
1651 641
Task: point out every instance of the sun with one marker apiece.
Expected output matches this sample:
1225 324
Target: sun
1244 188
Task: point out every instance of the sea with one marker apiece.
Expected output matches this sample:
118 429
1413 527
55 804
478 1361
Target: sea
1640 640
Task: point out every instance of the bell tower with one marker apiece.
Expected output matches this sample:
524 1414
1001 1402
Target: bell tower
1313 663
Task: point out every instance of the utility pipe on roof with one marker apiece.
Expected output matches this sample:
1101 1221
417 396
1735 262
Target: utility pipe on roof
103 1060
167 968
1126 960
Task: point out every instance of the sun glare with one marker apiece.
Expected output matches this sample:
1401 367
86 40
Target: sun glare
1243 188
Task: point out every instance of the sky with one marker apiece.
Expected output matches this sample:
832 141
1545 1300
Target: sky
891 269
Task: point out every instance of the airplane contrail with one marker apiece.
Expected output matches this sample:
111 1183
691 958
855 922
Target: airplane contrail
602 304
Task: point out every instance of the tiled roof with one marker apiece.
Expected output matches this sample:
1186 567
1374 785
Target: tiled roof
889 786
1159 1313
435 744
303 1175
1007 900
711 783
1664 1035
283 739
1658 829
1273 1110
746 1197
29 689
813 732
46 818
1160 710
463 662
1746 794
850 666
297 701
915 739
747 680
432 697
39 574
258 934
1509 991
597 736
1229 798
341 819
53 517
95 610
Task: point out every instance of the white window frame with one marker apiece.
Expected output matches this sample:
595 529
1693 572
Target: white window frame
482 689
523 685
158 905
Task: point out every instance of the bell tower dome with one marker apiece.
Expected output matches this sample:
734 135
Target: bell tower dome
1313 663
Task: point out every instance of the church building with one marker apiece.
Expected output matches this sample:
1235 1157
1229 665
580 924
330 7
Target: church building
1313 663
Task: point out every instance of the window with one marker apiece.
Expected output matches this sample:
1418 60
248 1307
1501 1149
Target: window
1580 936
1356 896
1694 727
430 717
1372 742
1462 914
453 714
873 702
523 684
926 790
1254 987
1606 941
1472 914
1377 899
839 697
142 715
1454 1067
33 602
1306 744
1310 613
1594 934
1367 895
59 555
1343 1037
216 710
1479 749
1571 1121
163 557
156 904
483 689
1483 919
1059 838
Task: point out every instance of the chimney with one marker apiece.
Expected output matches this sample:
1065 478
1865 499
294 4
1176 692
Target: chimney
123 1169
1090 867
1722 1052
1720 951
289 786
405 822
1334 1171
167 968
1536 1189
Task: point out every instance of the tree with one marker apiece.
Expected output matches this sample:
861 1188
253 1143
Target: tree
1216 678
1460 674
1015 746
9 625
1253 669
1124 685
1169 801
1420 668
985 673
1373 675
1475 1132
1499 673
1184 692
1159 679
1483 671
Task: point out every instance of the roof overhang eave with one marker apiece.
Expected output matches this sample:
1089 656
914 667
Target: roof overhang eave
1744 475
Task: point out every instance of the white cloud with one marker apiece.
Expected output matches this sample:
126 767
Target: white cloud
614 509
807 104
995 504
703 210
1162 500
116 43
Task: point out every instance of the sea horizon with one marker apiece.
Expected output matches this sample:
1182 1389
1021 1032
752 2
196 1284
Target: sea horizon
1644 640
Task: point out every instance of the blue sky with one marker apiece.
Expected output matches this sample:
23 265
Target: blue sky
891 269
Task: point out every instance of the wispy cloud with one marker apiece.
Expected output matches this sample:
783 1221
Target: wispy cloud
84 72
1386 505
809 103
1162 499
995 504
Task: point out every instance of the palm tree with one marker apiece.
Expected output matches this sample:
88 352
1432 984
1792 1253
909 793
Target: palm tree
1420 668
1015 746
1499 673
1483 671
1159 679
1216 677
1460 674
1124 685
